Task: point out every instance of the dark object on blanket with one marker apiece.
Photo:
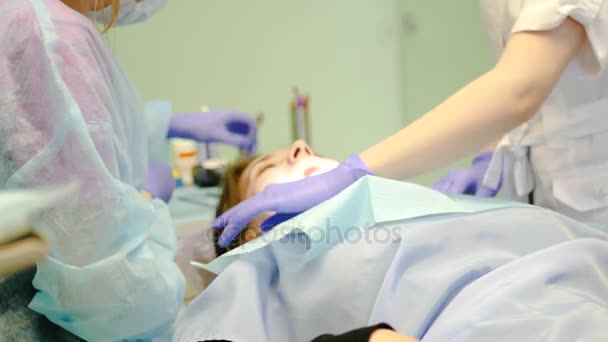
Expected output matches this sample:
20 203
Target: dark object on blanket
358 335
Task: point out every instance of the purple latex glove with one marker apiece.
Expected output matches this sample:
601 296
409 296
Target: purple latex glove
468 181
221 126
289 199
160 183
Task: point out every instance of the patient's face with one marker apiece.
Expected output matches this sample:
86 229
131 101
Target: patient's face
297 162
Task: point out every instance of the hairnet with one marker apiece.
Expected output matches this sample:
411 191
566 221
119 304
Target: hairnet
130 12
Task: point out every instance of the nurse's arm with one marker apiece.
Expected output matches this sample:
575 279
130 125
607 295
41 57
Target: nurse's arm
490 106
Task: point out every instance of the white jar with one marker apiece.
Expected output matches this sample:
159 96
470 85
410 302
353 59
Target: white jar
185 158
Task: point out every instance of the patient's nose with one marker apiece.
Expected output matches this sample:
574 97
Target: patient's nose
299 149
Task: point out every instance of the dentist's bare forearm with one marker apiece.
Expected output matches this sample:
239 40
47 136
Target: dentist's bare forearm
487 108
463 124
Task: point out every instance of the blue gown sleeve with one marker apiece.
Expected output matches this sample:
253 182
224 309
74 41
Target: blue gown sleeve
157 117
67 113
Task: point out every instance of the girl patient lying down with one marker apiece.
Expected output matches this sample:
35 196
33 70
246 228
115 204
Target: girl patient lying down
433 267
249 176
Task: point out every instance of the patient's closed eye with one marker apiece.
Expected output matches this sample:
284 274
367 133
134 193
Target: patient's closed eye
265 168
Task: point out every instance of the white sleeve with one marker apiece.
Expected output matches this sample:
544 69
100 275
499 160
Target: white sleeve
542 15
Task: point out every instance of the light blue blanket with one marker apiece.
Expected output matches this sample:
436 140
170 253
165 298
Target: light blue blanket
461 270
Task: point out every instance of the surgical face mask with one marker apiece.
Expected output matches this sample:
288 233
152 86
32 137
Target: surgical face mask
130 12
277 169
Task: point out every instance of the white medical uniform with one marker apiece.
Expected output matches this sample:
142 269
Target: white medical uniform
561 154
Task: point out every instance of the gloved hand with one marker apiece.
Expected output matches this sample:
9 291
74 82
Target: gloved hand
220 126
468 181
159 182
289 199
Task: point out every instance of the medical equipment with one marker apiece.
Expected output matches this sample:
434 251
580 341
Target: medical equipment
207 151
218 126
208 172
210 158
185 159
212 167
197 163
196 156
300 122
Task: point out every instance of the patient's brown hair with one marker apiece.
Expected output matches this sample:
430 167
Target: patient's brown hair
234 192
87 6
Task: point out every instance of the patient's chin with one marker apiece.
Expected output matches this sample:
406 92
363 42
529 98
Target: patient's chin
250 234
254 229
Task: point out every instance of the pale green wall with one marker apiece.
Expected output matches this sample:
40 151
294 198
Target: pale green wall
446 50
248 55
366 75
